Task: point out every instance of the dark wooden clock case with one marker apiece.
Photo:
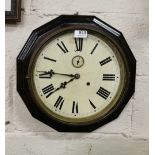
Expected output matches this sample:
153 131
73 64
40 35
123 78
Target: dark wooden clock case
41 35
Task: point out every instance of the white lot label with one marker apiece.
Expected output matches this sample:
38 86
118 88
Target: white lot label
80 34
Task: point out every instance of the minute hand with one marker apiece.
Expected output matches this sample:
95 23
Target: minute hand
49 74
70 75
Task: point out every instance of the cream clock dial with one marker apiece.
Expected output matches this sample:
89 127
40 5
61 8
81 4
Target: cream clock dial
76 73
77 78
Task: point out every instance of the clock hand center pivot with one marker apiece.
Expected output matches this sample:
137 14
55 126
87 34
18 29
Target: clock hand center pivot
77 76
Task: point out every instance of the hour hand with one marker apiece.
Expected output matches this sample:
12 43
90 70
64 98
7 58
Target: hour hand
63 85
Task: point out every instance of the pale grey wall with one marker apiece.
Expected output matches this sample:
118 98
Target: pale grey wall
128 135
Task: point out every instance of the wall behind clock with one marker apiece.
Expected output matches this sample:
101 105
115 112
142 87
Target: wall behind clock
128 135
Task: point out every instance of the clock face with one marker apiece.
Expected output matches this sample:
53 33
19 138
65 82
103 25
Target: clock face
77 80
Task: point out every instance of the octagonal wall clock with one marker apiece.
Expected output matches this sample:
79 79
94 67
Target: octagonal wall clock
76 73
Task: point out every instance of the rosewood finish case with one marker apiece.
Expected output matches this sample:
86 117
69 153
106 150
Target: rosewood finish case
41 35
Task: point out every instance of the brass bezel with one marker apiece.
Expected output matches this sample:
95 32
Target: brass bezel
85 120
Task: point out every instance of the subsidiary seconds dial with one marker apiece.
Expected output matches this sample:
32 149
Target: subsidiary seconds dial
77 80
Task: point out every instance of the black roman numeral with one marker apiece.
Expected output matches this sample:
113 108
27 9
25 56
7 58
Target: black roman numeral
109 77
79 44
75 108
50 59
103 93
45 74
48 90
62 47
59 102
103 62
91 103
94 48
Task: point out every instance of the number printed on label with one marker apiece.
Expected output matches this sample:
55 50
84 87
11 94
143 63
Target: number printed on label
80 34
